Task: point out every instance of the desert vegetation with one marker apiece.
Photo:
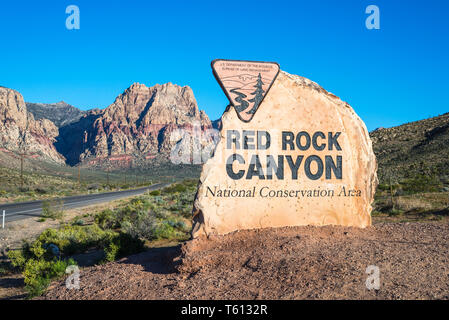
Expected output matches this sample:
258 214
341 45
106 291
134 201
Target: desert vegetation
41 185
131 227
420 198
40 180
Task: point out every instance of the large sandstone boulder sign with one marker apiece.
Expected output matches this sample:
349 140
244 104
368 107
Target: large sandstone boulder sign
305 158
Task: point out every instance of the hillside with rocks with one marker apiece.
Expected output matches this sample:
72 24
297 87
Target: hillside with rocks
60 113
415 148
20 132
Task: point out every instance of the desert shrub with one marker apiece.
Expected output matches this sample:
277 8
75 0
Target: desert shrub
186 199
141 227
121 245
17 258
41 190
163 230
38 273
190 183
383 187
160 213
412 204
394 212
53 209
421 183
93 186
106 219
158 200
78 222
75 239
42 260
39 263
178 224
24 189
168 229
178 187
111 251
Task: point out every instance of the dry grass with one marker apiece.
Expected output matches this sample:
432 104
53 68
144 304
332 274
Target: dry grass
412 204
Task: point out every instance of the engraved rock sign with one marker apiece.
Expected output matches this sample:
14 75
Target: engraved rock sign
304 158
245 83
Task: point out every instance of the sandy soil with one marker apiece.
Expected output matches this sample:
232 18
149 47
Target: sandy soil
284 263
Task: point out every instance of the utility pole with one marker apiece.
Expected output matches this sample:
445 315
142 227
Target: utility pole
107 175
79 175
21 170
22 156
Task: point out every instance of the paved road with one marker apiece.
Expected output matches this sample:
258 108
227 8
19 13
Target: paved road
25 210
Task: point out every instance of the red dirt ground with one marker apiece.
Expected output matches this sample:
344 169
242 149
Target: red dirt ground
283 263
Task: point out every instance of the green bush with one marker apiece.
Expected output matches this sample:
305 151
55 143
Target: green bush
122 245
17 258
106 219
78 222
155 192
140 227
41 190
421 183
39 265
38 273
163 230
175 188
191 183
53 209
76 239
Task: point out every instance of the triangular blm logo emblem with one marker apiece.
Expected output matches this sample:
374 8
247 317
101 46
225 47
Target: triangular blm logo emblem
245 83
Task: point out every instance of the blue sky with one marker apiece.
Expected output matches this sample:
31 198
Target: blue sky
390 76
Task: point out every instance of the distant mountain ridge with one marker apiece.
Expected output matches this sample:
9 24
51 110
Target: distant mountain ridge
60 113
140 122
137 125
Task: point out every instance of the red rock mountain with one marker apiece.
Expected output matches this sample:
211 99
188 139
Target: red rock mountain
138 124
21 133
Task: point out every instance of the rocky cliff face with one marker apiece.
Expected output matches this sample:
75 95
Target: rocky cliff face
61 113
137 124
20 132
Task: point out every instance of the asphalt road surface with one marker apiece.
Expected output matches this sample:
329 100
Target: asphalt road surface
25 210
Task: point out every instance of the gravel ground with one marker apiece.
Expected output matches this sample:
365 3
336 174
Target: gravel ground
283 263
